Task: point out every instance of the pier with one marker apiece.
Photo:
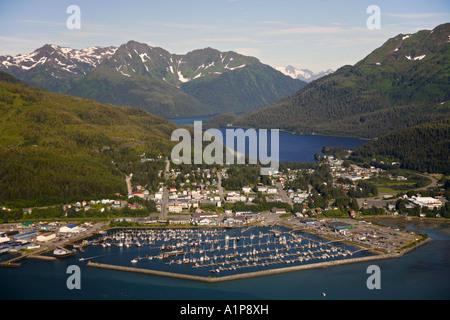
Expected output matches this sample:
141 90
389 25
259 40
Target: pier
41 257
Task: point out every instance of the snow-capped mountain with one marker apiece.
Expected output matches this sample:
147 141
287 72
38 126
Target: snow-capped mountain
302 74
53 67
135 58
60 58
199 82
173 85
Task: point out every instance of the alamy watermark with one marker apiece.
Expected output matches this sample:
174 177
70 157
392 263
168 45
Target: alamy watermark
74 280
74 20
374 20
374 280
213 153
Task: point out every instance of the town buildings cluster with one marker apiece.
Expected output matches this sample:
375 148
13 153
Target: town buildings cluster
195 197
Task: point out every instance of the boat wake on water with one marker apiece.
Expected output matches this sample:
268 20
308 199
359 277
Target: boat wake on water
82 259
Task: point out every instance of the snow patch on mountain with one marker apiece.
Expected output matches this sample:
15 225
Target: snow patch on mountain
234 68
302 74
59 59
181 78
415 58
144 55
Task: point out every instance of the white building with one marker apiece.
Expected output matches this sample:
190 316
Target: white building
45 237
428 202
272 190
246 189
175 208
71 228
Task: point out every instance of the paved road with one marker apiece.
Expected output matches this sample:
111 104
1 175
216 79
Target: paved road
283 194
219 186
166 171
164 203
128 182
432 184
165 196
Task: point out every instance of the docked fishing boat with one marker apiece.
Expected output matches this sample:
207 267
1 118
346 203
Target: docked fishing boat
60 253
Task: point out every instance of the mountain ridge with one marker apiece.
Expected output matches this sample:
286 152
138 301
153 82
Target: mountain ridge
166 84
387 90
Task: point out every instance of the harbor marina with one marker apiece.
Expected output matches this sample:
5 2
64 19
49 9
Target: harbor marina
215 252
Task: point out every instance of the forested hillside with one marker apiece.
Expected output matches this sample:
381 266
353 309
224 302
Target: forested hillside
55 147
244 89
425 148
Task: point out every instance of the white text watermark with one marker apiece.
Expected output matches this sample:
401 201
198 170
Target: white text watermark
213 153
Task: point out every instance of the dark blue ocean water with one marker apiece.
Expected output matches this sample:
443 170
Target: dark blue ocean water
422 274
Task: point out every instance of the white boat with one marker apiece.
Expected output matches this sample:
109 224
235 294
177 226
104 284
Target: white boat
134 261
59 252
63 253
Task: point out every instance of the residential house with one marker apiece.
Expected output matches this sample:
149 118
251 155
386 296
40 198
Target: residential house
246 189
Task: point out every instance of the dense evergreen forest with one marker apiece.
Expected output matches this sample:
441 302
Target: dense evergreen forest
54 148
423 148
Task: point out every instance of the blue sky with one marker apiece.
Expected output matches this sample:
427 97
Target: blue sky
317 35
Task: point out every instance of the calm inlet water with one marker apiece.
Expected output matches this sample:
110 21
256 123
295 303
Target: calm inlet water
298 148
292 147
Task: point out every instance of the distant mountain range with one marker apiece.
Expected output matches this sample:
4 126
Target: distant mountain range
201 82
303 74
403 83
